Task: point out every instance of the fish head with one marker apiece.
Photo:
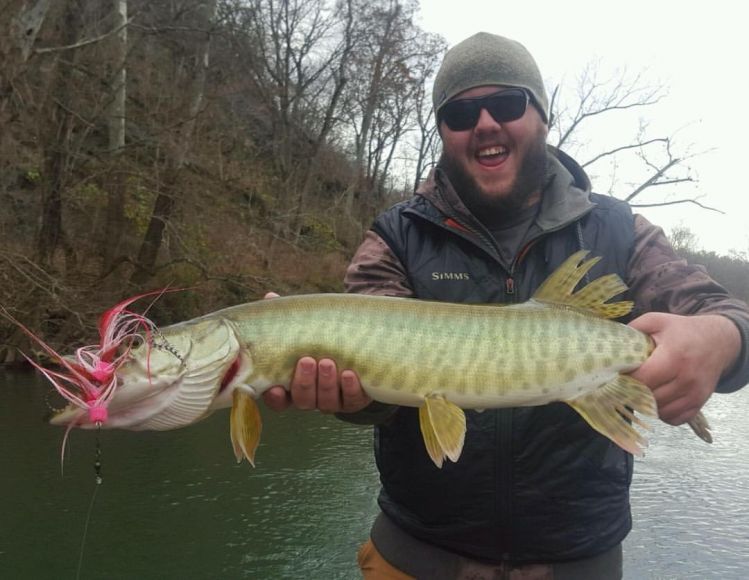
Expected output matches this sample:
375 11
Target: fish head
171 380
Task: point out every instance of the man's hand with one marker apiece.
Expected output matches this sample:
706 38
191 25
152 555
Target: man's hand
317 385
691 353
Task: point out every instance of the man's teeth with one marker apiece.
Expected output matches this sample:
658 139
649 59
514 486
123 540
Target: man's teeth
490 151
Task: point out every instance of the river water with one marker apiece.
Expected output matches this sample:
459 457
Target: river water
176 505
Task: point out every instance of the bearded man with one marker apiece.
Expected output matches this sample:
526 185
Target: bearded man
537 493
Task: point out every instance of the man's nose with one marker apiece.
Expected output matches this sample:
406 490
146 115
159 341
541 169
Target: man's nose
486 121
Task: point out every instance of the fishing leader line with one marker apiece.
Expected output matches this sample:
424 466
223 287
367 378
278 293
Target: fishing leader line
97 481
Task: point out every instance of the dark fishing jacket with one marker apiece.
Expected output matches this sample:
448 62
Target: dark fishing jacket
533 484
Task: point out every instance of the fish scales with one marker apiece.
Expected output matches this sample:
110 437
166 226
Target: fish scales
440 357
418 348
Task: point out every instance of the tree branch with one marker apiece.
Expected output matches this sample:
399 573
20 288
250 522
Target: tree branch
678 201
83 43
624 148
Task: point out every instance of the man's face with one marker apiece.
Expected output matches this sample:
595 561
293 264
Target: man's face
496 166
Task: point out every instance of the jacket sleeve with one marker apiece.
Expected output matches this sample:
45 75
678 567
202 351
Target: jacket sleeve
661 281
375 270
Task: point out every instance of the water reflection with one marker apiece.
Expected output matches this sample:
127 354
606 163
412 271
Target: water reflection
175 505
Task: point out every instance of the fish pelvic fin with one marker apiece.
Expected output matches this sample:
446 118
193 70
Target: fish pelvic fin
245 426
443 427
610 411
559 288
701 427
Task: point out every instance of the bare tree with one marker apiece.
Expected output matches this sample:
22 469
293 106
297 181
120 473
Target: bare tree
177 148
427 143
389 73
658 160
60 137
295 52
683 239
377 56
115 219
27 24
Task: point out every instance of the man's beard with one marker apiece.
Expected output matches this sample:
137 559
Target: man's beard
488 208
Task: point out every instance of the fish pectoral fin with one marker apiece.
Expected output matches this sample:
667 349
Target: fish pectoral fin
443 427
245 426
609 408
701 427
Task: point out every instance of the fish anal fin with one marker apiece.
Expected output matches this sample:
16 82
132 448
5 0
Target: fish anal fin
559 287
245 426
609 408
430 438
443 427
701 427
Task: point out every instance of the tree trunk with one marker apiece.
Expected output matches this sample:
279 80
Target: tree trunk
27 24
371 103
57 150
165 201
115 218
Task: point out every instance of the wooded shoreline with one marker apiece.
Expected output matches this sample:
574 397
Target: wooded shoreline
227 147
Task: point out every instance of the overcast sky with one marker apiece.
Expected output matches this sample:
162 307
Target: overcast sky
697 50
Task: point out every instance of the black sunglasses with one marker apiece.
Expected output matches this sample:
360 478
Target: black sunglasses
504 106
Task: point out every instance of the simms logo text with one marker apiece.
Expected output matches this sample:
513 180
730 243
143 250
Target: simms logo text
450 276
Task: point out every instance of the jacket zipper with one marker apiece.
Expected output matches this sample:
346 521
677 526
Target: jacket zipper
510 286
504 417
504 422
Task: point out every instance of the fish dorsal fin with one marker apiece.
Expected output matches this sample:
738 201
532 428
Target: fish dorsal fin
559 288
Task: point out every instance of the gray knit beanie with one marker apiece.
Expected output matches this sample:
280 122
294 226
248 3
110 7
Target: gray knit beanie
489 59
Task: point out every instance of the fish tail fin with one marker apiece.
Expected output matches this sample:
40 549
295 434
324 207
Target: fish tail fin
443 427
245 426
701 427
559 288
609 410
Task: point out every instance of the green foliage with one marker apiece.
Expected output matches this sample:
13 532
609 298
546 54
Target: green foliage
138 204
32 176
89 195
318 235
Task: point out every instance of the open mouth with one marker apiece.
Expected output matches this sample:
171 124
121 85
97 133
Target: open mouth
492 156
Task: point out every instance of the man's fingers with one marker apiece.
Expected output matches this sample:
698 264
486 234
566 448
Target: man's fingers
276 398
678 411
317 385
304 384
658 370
353 397
328 392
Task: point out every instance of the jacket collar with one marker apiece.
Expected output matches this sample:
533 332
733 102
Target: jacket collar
565 198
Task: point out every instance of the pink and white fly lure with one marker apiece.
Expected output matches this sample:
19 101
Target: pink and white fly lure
88 377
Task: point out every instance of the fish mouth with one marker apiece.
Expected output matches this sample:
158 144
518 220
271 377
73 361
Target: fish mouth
68 415
171 386
149 411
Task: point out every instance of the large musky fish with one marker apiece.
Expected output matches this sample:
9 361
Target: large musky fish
440 357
